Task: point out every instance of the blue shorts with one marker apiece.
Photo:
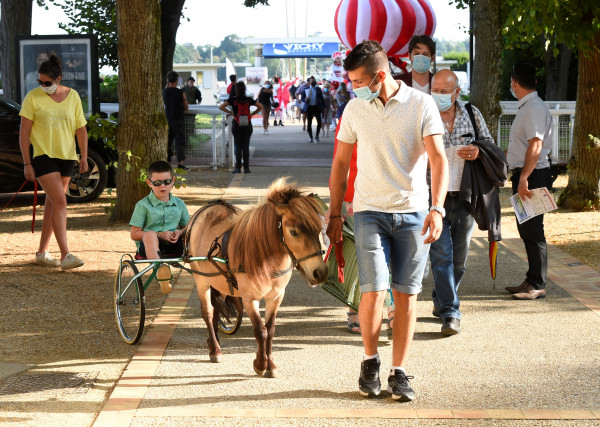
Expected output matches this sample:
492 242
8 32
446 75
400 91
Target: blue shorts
390 242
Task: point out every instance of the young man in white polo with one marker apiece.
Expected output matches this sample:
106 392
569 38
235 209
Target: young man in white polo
399 129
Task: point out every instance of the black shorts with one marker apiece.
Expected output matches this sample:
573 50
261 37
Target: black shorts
43 165
168 250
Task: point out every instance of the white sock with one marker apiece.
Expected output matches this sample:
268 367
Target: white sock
375 356
393 370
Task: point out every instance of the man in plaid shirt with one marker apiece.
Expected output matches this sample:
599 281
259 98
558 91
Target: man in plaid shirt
449 253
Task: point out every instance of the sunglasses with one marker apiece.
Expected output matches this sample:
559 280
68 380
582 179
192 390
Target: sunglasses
45 83
160 182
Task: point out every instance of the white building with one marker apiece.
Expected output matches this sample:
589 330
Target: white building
206 78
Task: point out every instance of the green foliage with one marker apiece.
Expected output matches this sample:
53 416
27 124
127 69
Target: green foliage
461 58
98 17
108 89
572 22
444 47
187 53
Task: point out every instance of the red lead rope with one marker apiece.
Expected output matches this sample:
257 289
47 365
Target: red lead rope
35 191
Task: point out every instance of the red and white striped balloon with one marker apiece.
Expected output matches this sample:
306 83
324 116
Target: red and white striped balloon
391 22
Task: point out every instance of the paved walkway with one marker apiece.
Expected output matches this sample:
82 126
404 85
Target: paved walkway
514 362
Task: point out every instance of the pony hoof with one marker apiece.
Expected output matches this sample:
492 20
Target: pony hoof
215 359
259 372
271 373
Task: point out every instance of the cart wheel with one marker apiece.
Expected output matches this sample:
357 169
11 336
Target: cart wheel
231 325
130 305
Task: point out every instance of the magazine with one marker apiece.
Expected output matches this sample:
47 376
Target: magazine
541 202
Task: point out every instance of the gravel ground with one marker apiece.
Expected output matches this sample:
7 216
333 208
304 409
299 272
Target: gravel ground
62 323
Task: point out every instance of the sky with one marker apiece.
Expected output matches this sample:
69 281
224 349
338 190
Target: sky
210 22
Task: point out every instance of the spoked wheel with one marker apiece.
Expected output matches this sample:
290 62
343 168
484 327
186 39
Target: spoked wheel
230 324
130 305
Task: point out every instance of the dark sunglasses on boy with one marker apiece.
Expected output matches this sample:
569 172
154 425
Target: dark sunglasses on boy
45 83
160 182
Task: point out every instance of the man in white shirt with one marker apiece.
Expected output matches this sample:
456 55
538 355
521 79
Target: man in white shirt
529 144
399 129
421 49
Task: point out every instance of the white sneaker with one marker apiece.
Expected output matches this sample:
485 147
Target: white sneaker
46 259
266 132
70 261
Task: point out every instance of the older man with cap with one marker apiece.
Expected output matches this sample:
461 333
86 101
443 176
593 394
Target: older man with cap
449 253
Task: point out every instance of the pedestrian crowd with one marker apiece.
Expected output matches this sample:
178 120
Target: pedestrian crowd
414 165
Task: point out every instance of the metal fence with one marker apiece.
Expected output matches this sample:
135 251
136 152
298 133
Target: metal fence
207 136
563 115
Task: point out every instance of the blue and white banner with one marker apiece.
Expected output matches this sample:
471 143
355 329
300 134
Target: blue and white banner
299 50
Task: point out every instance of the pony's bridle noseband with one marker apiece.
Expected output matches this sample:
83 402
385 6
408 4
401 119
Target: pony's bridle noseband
296 262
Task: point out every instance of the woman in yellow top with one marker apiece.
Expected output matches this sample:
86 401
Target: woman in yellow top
51 116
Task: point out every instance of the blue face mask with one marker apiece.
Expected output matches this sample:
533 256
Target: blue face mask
512 92
365 93
325 90
421 63
443 101
268 86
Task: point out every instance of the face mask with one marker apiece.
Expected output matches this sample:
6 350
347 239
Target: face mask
365 93
421 63
443 101
326 90
268 86
50 90
512 92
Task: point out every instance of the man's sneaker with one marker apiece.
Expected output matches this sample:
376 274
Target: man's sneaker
46 259
317 139
369 384
399 386
70 261
311 141
451 326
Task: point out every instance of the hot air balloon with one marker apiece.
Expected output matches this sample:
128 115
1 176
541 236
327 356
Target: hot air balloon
391 22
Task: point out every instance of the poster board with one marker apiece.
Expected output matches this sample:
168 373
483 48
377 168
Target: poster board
79 57
255 79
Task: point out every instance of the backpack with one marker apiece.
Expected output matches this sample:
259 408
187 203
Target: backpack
243 113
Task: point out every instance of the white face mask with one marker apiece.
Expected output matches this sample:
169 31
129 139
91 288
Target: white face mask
50 90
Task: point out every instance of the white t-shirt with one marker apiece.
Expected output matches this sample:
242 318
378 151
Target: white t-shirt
391 156
424 89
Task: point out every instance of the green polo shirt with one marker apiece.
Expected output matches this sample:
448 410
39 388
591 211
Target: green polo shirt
151 214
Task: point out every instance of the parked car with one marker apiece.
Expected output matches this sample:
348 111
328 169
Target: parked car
82 188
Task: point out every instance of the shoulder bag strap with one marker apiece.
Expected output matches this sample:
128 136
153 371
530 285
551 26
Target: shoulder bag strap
469 108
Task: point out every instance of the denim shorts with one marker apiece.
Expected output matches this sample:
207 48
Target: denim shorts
390 243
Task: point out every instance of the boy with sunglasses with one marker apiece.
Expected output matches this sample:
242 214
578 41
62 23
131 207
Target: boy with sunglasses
159 221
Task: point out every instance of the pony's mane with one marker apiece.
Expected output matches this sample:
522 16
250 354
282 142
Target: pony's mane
257 241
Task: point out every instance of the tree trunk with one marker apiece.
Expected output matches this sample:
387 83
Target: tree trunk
583 192
142 127
16 19
557 72
487 61
169 23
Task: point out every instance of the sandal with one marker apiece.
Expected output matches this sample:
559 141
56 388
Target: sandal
353 327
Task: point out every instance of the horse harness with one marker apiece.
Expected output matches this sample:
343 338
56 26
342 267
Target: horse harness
219 247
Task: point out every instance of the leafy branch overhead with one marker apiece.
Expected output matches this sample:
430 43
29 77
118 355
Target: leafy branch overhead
99 17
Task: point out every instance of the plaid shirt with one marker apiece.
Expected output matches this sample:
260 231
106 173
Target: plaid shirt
463 126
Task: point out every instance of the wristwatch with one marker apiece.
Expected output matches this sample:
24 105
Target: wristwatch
439 209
